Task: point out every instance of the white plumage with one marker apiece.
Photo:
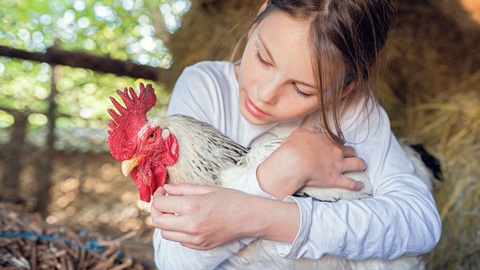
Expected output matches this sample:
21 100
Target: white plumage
208 157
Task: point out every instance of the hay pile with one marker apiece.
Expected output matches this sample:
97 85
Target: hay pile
450 123
27 242
431 91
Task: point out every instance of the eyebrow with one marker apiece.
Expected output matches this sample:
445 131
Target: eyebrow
266 48
262 42
306 84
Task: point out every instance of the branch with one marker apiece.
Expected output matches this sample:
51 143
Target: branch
82 60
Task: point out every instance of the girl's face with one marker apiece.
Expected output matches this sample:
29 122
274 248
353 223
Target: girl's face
276 77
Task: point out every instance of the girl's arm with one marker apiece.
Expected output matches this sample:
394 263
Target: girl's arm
400 219
200 219
202 228
308 149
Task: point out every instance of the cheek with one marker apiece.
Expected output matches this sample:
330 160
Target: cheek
246 77
295 108
251 70
311 105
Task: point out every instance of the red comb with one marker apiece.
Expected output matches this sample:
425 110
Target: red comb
129 119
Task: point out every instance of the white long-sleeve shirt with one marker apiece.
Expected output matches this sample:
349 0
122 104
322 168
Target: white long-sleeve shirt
400 219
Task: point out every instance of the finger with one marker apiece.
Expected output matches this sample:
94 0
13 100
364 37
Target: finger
353 164
171 204
348 151
358 186
167 222
191 246
160 192
156 198
188 189
163 221
176 236
185 240
350 184
171 230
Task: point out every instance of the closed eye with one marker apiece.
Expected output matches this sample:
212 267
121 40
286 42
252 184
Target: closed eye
299 91
260 59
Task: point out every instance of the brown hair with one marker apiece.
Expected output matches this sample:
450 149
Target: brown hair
346 38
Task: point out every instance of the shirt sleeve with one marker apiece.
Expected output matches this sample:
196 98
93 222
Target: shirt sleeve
172 255
400 219
193 95
248 183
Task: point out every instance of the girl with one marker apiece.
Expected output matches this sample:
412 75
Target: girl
306 68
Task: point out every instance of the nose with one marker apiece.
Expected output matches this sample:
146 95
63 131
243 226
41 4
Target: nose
268 91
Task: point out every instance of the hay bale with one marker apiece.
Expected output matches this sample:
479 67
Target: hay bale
210 30
423 59
431 90
27 242
450 127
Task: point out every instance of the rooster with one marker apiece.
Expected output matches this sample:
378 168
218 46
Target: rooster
180 149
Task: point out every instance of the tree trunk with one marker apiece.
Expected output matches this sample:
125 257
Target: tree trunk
47 153
12 156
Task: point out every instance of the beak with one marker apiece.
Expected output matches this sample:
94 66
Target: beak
129 165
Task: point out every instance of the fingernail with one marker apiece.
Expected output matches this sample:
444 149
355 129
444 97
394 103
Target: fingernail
359 185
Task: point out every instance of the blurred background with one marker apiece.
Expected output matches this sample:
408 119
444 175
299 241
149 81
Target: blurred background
60 60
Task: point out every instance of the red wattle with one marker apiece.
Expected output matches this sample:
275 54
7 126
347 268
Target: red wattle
143 189
158 178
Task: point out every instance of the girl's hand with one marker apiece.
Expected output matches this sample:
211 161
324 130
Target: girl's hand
204 217
308 158
189 215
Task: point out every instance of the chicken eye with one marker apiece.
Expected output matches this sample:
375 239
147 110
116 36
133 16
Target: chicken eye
152 135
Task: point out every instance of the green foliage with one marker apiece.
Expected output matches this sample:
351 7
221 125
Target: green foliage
120 29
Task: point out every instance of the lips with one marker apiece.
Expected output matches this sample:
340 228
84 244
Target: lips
252 109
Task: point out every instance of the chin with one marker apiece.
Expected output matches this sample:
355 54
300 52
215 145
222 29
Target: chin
245 114
252 119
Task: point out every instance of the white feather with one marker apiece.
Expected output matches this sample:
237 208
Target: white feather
208 157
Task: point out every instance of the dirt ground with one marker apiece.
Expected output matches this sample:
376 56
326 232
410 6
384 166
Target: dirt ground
90 192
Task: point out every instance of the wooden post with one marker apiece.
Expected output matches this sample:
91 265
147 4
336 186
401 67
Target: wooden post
12 157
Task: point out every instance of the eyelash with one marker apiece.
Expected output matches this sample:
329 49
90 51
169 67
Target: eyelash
297 90
260 59
300 92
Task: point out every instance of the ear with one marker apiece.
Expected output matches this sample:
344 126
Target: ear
171 155
263 7
347 90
